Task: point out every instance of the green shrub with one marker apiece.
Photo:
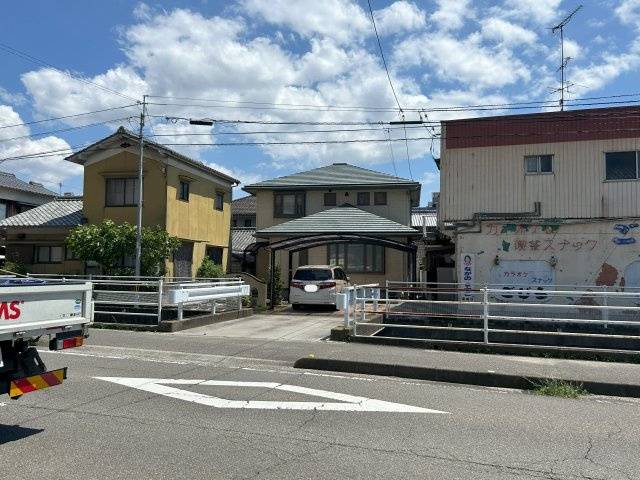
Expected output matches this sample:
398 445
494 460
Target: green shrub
277 287
559 388
15 267
209 269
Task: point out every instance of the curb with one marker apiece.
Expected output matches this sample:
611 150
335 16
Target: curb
487 379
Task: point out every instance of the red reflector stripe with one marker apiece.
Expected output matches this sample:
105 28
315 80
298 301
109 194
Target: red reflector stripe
24 385
71 342
51 379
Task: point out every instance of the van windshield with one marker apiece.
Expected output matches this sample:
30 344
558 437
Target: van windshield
309 274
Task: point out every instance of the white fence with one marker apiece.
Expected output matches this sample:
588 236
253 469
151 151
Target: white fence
148 300
562 317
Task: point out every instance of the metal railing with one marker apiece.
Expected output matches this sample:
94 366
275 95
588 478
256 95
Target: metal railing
149 300
572 317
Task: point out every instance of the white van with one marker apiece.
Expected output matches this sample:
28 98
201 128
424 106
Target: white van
316 285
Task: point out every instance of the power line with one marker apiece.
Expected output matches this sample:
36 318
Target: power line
68 129
33 59
273 132
67 116
393 157
384 62
301 142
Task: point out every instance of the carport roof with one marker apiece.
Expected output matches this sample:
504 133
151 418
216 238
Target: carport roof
343 219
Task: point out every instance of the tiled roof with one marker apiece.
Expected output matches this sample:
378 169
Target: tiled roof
61 212
241 238
244 206
9 180
343 219
335 175
417 215
77 158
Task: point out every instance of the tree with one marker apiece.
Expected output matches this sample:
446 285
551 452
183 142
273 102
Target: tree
209 269
109 244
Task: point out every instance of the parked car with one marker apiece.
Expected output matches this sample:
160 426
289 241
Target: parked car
316 285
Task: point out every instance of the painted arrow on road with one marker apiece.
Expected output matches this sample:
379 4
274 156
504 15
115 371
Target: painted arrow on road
342 403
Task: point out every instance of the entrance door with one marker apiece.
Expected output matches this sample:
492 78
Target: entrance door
182 260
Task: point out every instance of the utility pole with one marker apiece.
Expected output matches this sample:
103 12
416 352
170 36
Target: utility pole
563 63
140 166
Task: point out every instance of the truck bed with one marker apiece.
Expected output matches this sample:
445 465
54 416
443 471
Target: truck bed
30 307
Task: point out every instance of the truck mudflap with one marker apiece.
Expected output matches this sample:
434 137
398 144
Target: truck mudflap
20 386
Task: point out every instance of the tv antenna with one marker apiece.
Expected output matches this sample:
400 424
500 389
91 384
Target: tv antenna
563 61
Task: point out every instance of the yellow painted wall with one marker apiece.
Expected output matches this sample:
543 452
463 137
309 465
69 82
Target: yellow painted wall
125 164
197 220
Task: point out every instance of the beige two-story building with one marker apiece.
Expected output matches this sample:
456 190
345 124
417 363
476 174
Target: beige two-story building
339 214
544 199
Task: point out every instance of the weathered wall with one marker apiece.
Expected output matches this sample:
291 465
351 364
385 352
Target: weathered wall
598 253
492 179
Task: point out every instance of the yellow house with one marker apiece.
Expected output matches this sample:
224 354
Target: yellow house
184 196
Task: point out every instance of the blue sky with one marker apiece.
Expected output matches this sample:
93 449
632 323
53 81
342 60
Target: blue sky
291 53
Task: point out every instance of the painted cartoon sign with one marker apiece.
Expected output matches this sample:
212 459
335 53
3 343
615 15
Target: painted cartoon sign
624 229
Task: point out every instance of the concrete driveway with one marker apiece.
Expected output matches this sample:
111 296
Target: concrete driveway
306 325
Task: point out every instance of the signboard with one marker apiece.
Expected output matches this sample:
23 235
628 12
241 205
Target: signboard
532 275
467 276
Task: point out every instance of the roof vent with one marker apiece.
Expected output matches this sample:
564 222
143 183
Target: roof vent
68 194
35 184
340 163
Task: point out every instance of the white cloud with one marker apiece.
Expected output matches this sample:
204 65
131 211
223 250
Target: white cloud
400 16
628 12
55 94
506 32
543 12
452 14
598 74
11 98
49 170
466 60
341 20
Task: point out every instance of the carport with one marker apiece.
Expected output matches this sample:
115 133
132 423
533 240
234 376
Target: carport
340 225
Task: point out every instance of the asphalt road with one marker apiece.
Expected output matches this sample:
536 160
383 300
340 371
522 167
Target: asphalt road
239 412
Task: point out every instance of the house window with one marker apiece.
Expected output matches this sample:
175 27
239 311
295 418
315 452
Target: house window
364 198
289 204
330 199
535 164
622 166
48 254
183 191
69 254
215 254
380 198
356 257
219 201
122 192
248 222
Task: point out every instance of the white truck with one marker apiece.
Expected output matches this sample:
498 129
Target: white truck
29 310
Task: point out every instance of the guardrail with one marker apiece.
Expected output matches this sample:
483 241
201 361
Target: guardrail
605 320
185 294
147 300
346 300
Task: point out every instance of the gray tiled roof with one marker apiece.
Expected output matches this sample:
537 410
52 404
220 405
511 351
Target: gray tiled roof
417 215
61 212
9 180
244 206
335 175
241 238
343 219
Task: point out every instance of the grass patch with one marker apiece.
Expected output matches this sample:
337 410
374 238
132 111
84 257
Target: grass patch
559 388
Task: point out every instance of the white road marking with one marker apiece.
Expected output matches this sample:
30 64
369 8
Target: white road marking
344 402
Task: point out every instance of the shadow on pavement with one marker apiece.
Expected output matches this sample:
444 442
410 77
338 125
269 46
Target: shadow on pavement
12 433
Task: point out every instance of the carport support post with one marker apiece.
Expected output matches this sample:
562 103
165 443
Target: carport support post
485 314
272 260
